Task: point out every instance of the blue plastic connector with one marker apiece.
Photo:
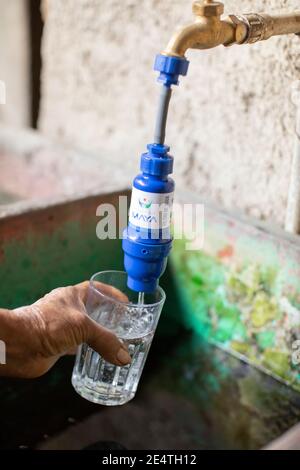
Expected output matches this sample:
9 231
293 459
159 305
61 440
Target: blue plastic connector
170 68
147 240
157 161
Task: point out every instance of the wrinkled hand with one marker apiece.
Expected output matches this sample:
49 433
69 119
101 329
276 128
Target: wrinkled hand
37 336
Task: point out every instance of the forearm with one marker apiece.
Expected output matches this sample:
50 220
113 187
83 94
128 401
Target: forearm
20 333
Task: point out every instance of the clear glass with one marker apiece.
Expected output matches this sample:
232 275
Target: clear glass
134 322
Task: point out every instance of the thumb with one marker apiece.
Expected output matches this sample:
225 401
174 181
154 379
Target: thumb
105 289
106 344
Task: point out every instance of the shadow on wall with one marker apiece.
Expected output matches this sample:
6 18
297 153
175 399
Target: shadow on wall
36 32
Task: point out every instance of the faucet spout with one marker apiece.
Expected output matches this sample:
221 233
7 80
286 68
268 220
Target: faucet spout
210 30
207 31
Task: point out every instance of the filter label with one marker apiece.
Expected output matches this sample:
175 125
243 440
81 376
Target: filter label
150 210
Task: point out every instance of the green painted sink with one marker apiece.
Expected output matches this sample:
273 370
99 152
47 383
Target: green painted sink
192 395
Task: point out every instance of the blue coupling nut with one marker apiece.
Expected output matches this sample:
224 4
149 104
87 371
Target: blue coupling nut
170 68
157 161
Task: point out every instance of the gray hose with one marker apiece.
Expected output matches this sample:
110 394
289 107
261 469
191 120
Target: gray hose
162 114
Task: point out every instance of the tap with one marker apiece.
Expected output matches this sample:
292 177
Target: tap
211 30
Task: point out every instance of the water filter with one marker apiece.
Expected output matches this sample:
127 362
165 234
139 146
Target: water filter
147 239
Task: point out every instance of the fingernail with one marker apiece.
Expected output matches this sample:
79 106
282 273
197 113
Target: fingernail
123 356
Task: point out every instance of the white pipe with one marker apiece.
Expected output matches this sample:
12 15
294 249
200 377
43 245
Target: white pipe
292 221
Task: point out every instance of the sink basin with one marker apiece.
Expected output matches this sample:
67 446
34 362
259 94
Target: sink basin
192 395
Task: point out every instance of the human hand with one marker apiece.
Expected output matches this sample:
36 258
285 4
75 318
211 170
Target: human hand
36 336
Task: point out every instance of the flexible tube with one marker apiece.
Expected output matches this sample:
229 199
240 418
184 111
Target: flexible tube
162 114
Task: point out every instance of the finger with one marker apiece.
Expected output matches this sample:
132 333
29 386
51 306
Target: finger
106 344
72 351
105 289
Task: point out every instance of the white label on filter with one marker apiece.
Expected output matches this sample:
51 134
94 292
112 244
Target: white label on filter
150 210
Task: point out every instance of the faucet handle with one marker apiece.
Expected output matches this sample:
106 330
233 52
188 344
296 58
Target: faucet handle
208 8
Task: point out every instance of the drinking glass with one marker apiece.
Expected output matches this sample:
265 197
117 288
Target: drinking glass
134 322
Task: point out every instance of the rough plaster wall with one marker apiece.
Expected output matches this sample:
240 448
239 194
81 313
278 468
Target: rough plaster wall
14 62
231 126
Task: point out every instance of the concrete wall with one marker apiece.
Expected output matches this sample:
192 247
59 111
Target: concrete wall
15 62
232 121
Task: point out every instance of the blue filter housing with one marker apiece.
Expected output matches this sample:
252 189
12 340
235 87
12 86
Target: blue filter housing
147 239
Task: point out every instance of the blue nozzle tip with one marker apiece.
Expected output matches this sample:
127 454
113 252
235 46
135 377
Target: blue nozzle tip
141 286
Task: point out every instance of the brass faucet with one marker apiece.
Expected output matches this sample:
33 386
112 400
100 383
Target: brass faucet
210 30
